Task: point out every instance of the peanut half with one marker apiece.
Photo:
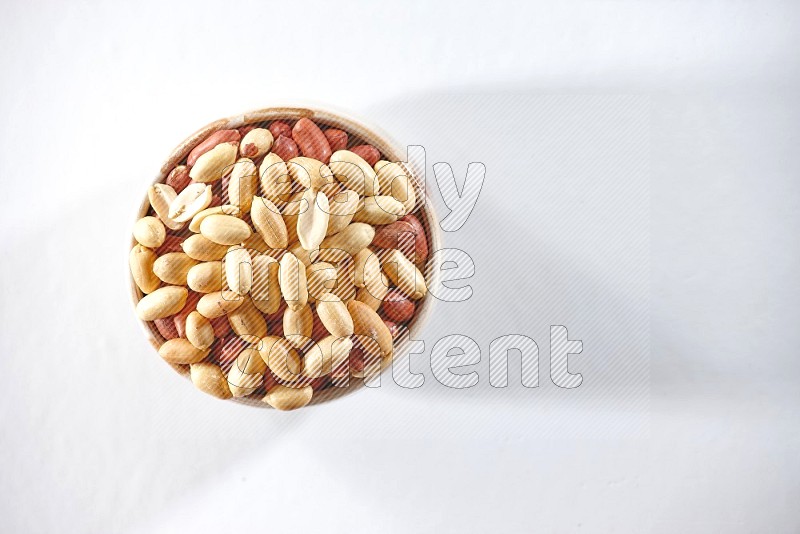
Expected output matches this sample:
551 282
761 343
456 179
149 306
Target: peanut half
161 197
242 185
191 201
354 173
312 221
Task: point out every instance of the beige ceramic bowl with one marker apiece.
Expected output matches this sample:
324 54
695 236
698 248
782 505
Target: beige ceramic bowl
358 132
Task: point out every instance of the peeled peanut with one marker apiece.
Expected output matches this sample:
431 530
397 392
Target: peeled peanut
201 248
354 173
366 322
366 356
247 373
161 196
225 229
225 209
302 254
297 325
281 358
395 181
290 213
211 166
173 267
219 303
334 315
248 323
255 243
379 210
269 223
238 270
310 173
242 185
141 261
209 378
220 136
353 239
205 277
342 207
328 356
192 200
312 221
150 232
199 331
162 302
405 275
256 143
276 184
287 398
320 278
266 290
345 289
374 291
180 351
292 279
366 266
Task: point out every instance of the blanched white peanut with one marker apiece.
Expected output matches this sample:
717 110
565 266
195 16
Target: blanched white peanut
395 181
286 398
379 210
217 304
209 378
173 267
150 232
246 373
205 277
199 331
334 315
276 184
141 261
242 185
292 279
310 173
192 200
269 223
212 165
266 290
321 278
405 275
342 207
312 221
203 249
366 322
225 229
248 323
180 351
161 196
354 173
353 239
225 209
162 302
297 325
281 358
239 270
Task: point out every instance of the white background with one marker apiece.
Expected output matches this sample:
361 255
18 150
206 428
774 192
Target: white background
100 436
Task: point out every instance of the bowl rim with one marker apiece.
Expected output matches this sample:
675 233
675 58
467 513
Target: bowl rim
366 132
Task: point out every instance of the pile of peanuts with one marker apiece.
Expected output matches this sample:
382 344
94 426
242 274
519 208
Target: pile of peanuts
257 230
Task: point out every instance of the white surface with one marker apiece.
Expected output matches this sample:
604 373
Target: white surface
100 436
